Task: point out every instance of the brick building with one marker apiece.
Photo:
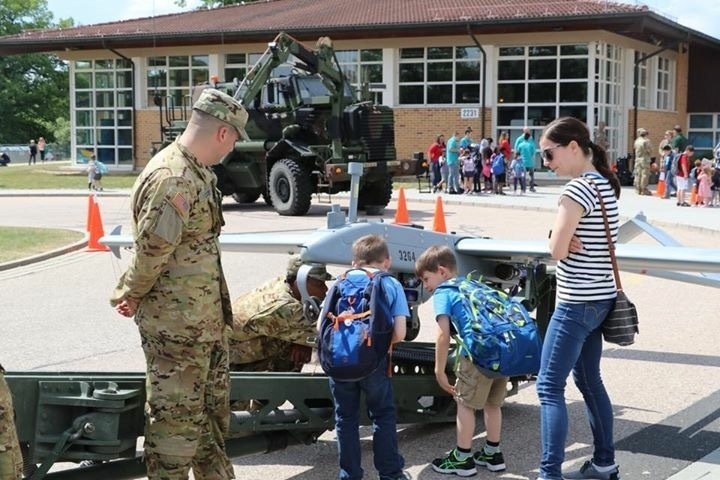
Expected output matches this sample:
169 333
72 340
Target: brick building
445 64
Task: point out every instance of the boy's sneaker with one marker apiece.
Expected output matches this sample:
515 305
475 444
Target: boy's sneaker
588 471
404 476
492 461
451 464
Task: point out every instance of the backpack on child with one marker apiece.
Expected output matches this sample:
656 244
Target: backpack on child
356 326
500 337
674 163
101 167
498 164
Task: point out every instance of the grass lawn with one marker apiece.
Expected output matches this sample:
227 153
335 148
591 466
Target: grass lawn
54 175
21 242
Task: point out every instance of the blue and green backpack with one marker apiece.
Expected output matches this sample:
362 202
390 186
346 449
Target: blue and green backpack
500 336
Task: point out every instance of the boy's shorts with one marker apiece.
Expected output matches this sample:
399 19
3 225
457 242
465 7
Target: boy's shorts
681 183
473 389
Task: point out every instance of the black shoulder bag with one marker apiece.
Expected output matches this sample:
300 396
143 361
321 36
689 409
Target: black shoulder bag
621 324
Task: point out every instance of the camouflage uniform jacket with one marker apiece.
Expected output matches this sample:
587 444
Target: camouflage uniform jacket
643 151
11 461
266 321
176 273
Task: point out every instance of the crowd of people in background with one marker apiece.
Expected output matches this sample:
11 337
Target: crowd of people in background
693 181
463 166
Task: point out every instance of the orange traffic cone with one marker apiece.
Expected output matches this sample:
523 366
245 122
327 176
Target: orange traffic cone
660 191
95 230
91 202
693 195
401 214
439 217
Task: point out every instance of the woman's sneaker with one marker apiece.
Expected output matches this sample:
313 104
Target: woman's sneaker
588 471
492 461
451 464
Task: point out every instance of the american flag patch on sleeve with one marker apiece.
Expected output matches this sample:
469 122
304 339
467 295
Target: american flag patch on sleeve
180 204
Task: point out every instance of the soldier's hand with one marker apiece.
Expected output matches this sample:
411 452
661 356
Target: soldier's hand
300 354
127 307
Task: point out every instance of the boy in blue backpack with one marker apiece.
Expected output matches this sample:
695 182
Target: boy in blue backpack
472 390
370 257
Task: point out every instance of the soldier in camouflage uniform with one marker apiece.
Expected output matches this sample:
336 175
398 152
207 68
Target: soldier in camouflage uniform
176 290
10 456
643 151
270 331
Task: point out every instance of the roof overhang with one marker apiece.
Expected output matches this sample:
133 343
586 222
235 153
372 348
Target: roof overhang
643 26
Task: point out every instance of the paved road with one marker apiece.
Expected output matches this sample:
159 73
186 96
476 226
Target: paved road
665 389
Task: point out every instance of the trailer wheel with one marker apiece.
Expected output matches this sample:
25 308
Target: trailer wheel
376 193
290 188
245 197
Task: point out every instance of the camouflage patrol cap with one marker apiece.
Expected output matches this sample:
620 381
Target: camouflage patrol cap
316 272
224 107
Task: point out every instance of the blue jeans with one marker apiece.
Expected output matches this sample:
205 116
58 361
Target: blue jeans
573 341
381 410
435 173
454 177
670 186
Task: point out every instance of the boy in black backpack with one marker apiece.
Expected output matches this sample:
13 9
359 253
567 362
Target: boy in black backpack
370 257
472 390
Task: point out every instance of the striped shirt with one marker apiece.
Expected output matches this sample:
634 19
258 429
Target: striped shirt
587 276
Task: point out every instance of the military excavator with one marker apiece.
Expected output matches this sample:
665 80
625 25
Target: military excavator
305 124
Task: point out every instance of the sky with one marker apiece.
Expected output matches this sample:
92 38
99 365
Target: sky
701 15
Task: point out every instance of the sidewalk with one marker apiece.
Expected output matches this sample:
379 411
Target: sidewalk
663 213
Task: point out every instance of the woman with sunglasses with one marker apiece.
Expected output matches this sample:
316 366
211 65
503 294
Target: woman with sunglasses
586 293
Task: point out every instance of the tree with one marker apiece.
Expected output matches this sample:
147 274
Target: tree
35 87
214 3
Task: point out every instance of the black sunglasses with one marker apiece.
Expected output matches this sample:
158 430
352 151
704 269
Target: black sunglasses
547 154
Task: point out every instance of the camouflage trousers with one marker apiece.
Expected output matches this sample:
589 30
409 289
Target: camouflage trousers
10 456
642 175
187 410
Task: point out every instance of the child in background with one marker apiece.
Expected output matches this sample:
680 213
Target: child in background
716 186
472 390
705 192
92 172
468 170
694 180
517 166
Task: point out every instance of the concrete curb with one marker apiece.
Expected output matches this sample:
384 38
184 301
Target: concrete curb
479 201
46 255
60 193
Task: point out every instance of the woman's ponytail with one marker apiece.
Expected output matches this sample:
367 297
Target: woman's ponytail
600 162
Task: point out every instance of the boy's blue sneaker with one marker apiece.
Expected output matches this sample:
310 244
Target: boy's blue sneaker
492 461
588 471
451 464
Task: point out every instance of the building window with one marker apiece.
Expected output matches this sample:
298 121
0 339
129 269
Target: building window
665 87
103 108
607 95
704 133
537 84
174 76
642 87
235 66
362 66
439 76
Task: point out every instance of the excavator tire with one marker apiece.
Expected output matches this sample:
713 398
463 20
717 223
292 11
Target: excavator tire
245 197
376 194
290 188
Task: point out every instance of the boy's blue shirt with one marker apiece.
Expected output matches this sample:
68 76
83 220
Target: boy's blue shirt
449 301
394 293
